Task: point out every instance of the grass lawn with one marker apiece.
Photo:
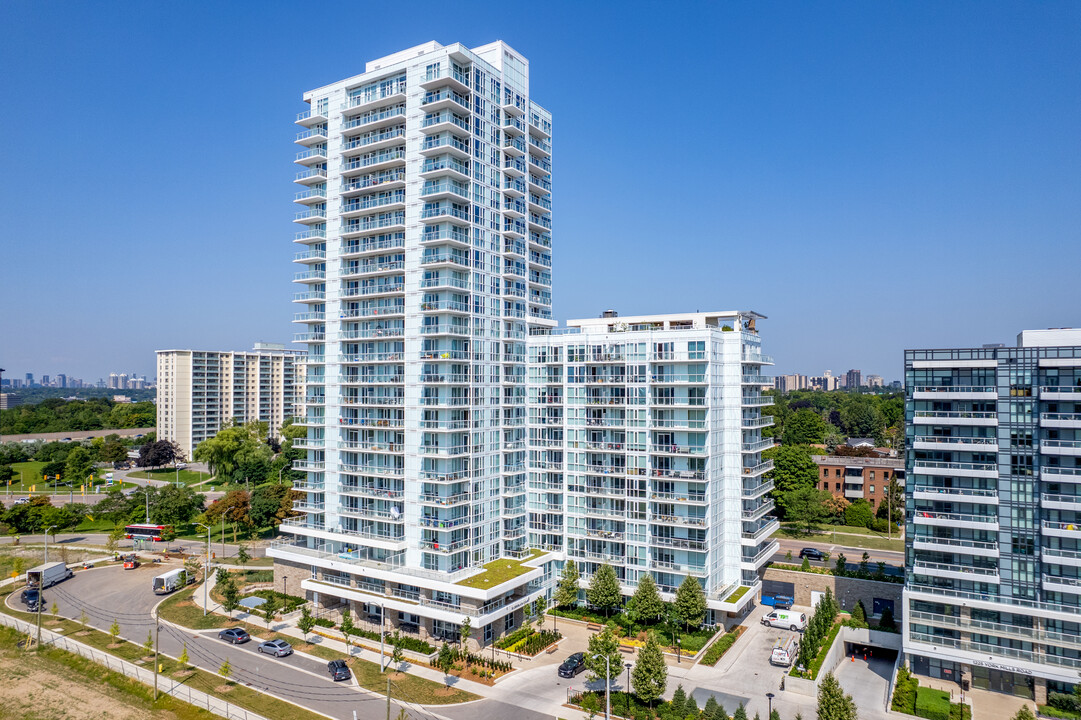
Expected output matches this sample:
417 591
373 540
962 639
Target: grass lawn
30 472
31 475
690 641
736 594
846 536
187 477
500 571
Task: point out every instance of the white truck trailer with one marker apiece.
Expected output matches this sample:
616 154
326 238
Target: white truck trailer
47 575
170 581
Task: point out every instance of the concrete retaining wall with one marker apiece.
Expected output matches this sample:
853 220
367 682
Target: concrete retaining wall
836 655
847 590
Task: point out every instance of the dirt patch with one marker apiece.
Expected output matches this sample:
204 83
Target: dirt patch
32 690
82 633
114 646
183 674
224 689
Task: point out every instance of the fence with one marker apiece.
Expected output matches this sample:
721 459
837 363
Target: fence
166 685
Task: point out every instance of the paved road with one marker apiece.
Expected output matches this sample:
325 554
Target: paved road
190 547
108 594
852 554
78 434
61 497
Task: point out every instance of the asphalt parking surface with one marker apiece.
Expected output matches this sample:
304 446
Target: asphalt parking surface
111 593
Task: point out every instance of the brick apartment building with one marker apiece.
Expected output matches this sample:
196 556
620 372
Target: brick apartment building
859 477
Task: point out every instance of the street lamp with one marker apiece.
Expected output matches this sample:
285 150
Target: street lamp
46 549
769 697
679 654
206 578
627 690
146 494
607 686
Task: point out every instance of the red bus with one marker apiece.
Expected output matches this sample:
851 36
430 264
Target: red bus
147 532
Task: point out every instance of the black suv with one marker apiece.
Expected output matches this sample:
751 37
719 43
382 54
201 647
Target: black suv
31 596
234 635
573 665
338 670
811 553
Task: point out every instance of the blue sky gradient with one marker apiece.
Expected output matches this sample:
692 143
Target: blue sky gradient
871 176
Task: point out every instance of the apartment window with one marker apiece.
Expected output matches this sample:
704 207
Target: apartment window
871 490
872 476
488 633
837 472
508 621
837 486
825 472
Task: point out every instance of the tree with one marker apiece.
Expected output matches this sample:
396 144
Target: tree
183 659
172 505
540 607
677 705
114 507
740 713
774 715
463 633
54 468
806 506
835 507
54 609
690 604
647 600
114 538
83 619
306 622
864 561
234 446
893 505
158 453
859 514
148 645
1025 713
649 678
603 592
886 621
79 465
804 427
604 644
273 604
242 554
691 708
793 469
397 655
833 703
711 708
230 596
566 594
226 669
270 504
445 661
235 506
114 630
839 570
112 451
859 613
860 419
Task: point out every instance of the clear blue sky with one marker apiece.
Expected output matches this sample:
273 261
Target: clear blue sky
871 176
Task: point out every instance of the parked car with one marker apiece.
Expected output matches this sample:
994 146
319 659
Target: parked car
338 670
782 602
22 501
573 665
234 635
32 596
785 619
277 648
811 553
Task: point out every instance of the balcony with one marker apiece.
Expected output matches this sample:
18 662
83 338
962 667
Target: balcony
955 494
1061 447
955 545
1068 393
1061 420
757 447
756 423
1059 583
314 194
954 392
311 175
311 117
757 470
960 469
366 100
947 519
1060 502
312 155
312 215
955 571
310 276
678 543
682 569
445 100
1059 556
1058 473
1061 529
374 141
929 417
950 443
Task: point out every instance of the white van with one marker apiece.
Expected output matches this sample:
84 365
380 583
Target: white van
787 619
784 652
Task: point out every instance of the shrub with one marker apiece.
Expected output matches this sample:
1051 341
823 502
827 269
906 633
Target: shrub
323 622
904 692
932 704
859 514
721 646
1067 702
507 640
880 525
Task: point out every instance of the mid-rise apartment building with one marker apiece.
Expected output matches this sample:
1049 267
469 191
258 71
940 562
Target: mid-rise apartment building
434 491
856 478
200 390
993 514
645 442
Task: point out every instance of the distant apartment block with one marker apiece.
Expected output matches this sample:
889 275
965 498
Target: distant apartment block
788 383
198 391
854 478
874 381
993 528
852 379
